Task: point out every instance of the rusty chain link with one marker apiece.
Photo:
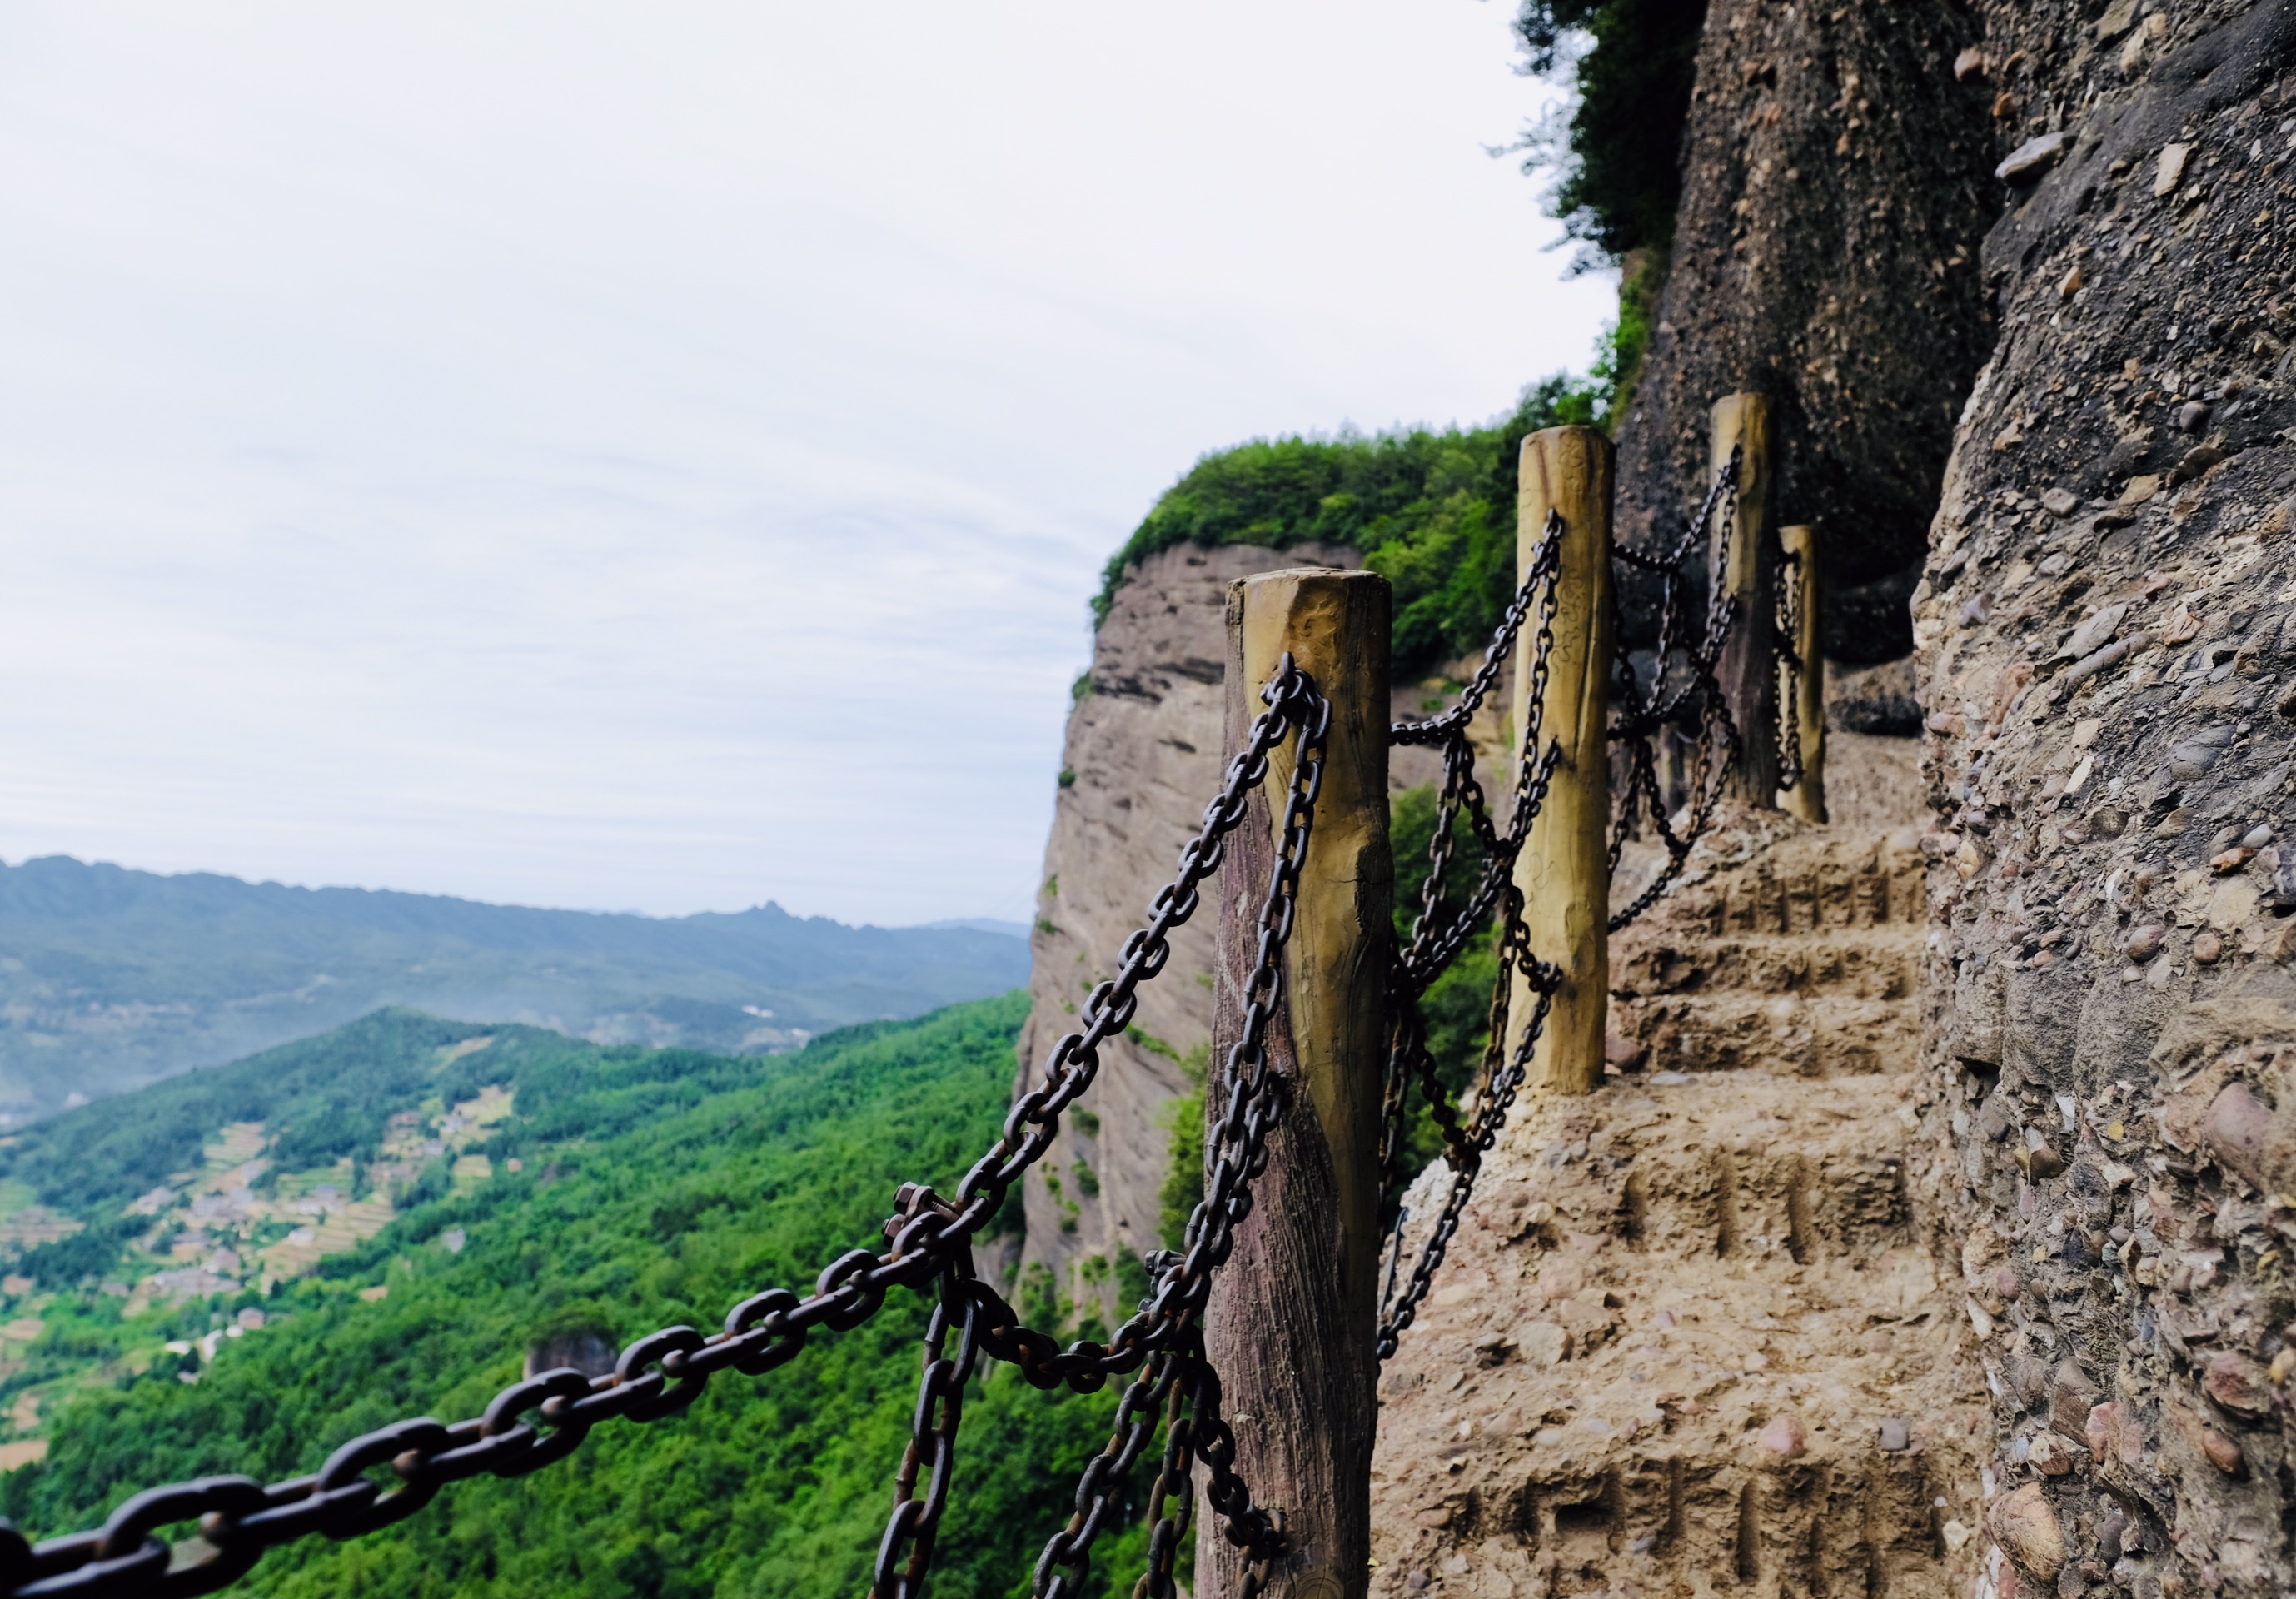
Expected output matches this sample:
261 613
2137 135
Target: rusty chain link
1501 1080
915 1522
542 1419
1171 1498
1168 1322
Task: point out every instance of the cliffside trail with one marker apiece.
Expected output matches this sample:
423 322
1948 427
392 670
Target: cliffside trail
1959 1264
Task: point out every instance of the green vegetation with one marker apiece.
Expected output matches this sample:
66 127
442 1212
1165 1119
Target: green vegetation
1618 161
658 1187
1432 512
1456 1008
321 1099
1182 1188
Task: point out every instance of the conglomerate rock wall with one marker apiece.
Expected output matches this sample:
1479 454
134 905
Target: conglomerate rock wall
2108 763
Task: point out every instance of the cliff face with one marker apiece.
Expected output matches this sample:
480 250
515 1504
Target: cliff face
1143 757
2055 1103
2108 759
1837 179
2104 1103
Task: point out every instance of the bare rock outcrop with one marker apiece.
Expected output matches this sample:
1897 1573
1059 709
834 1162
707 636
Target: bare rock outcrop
1141 759
2099 629
1837 179
2107 700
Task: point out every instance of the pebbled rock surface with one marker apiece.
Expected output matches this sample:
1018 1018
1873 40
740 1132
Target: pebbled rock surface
2100 647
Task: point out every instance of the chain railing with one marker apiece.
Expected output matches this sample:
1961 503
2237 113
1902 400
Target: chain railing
1791 667
1683 694
385 1475
1438 935
542 1419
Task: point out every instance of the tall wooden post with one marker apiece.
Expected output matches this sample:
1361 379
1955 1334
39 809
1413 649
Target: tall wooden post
1290 1324
1803 694
1748 671
1564 869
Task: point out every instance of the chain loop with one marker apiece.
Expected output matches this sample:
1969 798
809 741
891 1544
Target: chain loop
1437 939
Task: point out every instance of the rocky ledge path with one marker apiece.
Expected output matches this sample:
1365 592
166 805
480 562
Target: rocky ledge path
1696 1334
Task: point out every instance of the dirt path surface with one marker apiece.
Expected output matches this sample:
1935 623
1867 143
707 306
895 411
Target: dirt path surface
1698 1333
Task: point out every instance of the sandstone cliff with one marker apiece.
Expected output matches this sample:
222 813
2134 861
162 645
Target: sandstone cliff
1141 759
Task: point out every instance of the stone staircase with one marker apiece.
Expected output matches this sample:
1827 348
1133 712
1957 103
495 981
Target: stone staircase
1693 1337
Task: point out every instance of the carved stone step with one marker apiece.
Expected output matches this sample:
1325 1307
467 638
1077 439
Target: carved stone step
1686 1338
1822 1035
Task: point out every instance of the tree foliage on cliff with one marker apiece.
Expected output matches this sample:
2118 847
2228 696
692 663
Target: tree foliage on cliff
1618 159
771 1486
1432 512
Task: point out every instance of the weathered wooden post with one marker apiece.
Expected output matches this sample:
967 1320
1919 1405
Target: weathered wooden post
1803 694
1748 671
1564 869
1290 1322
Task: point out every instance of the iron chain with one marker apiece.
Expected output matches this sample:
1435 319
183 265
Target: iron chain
1437 940
1695 703
544 1418
1788 650
1438 937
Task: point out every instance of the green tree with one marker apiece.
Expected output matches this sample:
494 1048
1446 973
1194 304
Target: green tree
657 1189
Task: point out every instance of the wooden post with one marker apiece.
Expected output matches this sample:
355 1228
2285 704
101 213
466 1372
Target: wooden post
1564 869
1291 1325
1747 671
1807 703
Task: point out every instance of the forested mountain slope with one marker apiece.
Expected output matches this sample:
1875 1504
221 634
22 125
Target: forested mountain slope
111 978
654 1187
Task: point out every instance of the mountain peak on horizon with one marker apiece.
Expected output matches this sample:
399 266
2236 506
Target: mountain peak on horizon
112 976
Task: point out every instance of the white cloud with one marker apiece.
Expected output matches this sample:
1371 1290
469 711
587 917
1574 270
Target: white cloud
657 456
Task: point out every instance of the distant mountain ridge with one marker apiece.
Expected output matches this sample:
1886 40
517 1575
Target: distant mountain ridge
111 978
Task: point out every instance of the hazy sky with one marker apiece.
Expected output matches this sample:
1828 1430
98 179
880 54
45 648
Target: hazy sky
657 456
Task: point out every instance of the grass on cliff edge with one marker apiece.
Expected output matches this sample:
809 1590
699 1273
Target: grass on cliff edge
1433 513
770 1486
